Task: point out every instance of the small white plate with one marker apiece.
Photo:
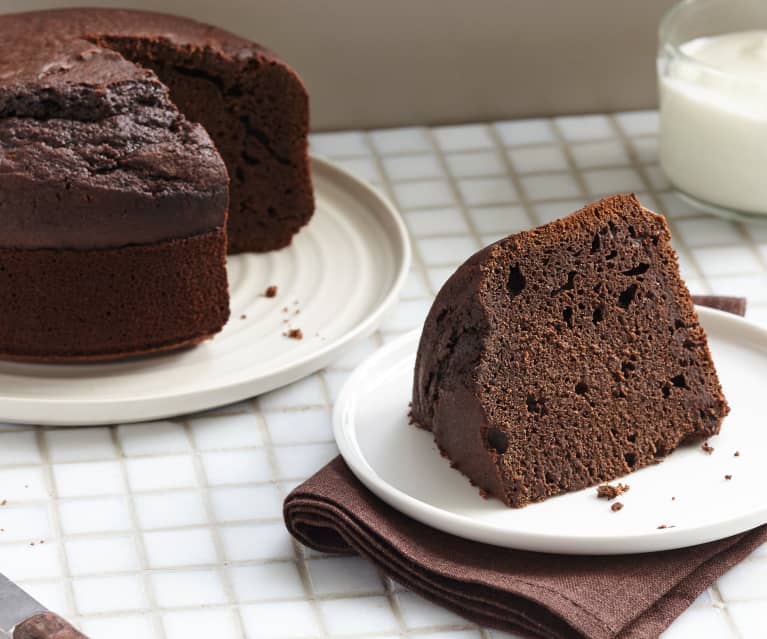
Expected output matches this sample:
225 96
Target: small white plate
336 281
400 463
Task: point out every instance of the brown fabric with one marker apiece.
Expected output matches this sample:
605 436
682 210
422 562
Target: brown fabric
535 595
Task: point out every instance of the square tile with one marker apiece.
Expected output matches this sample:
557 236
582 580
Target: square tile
229 431
549 211
52 594
463 137
439 275
335 380
478 191
423 194
242 503
170 510
79 444
26 523
674 207
406 315
23 561
257 542
178 548
726 260
109 594
236 467
161 473
520 132
657 177
607 181
263 582
299 426
153 438
362 167
747 580
94 556
576 128
646 149
268 620
752 287
305 392
609 153
702 231
200 624
18 448
26 483
120 627
447 220
339 144
475 163
446 250
355 615
88 479
500 219
554 186
354 356
538 159
415 286
420 613
402 140
187 588
107 514
413 167
639 122
344 576
699 622
748 618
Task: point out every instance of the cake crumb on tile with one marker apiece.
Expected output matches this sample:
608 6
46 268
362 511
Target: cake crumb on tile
736 454
728 477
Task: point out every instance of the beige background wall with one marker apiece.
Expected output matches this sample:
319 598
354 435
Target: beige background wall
374 63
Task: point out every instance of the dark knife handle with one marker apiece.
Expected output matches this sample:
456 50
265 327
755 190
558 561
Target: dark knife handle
46 626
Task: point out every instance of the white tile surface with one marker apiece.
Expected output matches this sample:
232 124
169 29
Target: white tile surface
173 529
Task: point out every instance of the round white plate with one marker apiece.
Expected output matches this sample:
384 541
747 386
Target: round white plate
401 464
337 279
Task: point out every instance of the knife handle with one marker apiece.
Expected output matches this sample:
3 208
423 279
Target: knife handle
46 626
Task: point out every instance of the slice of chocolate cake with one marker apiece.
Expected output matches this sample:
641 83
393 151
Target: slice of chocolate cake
566 356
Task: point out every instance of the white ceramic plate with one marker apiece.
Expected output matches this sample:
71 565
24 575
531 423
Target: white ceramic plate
337 279
401 464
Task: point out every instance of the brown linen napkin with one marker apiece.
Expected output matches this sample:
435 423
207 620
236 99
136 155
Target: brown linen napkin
533 594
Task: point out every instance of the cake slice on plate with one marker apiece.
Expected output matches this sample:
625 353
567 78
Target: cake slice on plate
566 356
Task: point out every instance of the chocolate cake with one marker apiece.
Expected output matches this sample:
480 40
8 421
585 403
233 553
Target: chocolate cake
566 356
125 137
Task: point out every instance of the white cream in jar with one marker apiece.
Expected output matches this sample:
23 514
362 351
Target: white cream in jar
713 106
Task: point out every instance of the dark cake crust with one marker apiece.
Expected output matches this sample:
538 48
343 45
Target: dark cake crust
103 304
566 356
83 75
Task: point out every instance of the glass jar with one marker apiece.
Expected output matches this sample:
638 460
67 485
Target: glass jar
712 82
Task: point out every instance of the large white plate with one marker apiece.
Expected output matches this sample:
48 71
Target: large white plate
337 279
401 464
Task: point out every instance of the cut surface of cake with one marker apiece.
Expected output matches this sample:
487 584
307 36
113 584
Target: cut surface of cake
134 147
566 356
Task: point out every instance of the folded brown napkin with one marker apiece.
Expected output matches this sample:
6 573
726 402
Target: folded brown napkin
533 594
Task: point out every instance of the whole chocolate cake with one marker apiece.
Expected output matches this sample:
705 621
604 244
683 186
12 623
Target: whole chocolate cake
124 139
566 356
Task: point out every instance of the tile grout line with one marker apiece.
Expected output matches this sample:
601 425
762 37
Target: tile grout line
298 553
138 538
680 245
53 509
455 190
418 262
203 489
503 152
